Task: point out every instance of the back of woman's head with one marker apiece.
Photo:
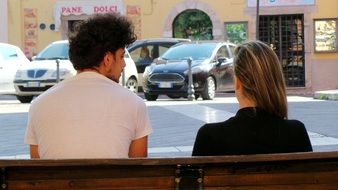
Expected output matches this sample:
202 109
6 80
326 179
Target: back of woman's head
260 73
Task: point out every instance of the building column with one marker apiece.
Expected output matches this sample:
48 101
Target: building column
4 21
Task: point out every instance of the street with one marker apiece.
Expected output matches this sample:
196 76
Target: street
176 122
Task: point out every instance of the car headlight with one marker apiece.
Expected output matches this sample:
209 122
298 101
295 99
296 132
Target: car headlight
193 70
18 74
62 73
147 71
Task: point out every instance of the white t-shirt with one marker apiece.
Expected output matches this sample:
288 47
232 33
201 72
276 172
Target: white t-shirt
86 116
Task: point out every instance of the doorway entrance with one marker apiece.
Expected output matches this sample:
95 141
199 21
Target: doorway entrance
193 24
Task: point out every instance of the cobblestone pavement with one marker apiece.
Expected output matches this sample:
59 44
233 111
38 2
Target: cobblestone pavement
176 122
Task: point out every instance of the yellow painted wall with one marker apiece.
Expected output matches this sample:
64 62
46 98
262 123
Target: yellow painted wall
326 9
16 21
45 15
153 15
15 34
154 12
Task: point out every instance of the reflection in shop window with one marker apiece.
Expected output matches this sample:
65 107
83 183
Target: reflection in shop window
236 32
326 35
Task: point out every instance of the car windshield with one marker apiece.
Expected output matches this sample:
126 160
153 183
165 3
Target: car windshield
184 51
54 51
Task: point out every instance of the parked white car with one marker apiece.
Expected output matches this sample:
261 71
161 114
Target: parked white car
41 73
11 57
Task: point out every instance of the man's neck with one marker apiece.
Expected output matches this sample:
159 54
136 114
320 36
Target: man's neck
88 70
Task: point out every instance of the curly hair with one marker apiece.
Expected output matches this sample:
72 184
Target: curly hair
96 36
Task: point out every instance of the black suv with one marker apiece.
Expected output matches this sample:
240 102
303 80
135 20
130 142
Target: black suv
212 70
144 51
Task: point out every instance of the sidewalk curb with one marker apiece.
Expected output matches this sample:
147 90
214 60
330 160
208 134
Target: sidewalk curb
326 95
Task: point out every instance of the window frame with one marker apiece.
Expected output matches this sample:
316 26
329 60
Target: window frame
245 23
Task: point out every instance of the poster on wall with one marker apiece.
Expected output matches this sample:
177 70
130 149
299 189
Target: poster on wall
270 3
325 35
30 32
134 14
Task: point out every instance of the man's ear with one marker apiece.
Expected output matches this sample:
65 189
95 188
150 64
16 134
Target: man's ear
107 59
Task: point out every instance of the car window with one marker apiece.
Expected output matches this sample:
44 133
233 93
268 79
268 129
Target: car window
184 51
223 52
53 51
8 53
232 49
162 49
142 54
135 54
126 55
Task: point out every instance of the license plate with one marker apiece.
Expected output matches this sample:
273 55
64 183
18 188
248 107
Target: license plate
165 85
33 84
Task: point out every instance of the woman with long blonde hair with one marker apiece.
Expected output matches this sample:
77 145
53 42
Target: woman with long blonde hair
261 124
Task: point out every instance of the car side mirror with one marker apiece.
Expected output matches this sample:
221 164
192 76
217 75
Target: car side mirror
221 60
159 61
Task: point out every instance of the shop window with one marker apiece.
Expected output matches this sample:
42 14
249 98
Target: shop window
325 35
285 35
236 32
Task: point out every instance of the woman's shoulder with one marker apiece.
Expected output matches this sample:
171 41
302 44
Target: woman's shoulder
224 125
294 123
295 126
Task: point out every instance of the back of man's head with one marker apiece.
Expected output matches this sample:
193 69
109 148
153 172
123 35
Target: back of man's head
96 36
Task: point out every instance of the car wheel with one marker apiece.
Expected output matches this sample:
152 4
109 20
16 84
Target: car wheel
24 99
150 97
209 89
132 85
174 96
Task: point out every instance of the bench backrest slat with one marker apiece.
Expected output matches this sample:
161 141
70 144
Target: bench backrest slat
274 171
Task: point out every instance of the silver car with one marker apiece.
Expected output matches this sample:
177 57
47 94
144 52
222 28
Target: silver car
41 74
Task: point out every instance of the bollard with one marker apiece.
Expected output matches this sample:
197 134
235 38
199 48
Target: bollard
57 70
191 91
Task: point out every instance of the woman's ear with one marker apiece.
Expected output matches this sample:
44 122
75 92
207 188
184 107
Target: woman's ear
238 83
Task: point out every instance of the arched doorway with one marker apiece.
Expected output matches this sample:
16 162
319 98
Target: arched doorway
193 24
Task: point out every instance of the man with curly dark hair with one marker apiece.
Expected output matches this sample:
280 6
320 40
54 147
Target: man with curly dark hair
90 115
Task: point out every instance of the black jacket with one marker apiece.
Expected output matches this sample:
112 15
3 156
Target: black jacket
252 132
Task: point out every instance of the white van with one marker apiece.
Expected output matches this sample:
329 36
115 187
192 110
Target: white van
41 73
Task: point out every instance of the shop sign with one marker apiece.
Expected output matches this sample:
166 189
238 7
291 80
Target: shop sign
65 8
274 3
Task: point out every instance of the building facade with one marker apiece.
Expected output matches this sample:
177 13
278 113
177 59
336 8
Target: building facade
303 33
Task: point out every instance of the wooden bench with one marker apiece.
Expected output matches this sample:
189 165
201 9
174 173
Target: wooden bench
318 171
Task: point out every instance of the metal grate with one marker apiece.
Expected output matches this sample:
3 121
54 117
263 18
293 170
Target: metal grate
36 73
166 77
34 89
285 34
